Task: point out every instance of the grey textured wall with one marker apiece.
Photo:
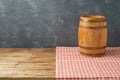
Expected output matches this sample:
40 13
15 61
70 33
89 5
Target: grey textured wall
51 23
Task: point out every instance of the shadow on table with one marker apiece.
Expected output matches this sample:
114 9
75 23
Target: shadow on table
112 53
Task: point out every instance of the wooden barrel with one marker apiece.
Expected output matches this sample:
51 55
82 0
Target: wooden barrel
92 35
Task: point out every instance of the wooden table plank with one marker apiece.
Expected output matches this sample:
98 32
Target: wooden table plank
27 63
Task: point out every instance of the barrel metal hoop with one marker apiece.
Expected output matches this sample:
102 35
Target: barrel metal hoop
103 47
98 27
95 54
94 21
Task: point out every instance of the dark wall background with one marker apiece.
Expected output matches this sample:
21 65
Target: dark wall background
51 23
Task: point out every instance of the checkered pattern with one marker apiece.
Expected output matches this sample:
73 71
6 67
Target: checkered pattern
70 65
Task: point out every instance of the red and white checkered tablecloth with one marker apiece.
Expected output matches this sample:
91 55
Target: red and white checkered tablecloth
70 65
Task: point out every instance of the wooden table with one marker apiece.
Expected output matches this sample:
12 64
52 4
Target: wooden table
27 64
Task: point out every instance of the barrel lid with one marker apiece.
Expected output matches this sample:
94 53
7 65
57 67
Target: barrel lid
93 17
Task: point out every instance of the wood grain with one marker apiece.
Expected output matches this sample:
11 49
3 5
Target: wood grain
27 63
